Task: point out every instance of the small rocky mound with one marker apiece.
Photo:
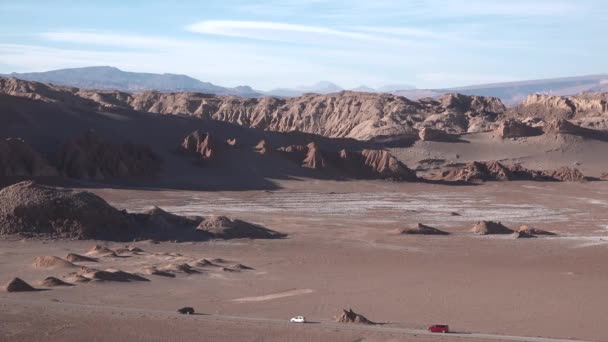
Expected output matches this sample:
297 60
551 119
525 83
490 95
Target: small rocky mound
155 271
566 174
129 250
522 235
31 209
349 316
163 220
421 229
18 159
490 171
206 263
18 285
512 128
76 278
117 276
52 282
374 164
534 231
180 268
200 144
433 134
90 157
490 228
222 227
101 251
239 267
51 262
72 257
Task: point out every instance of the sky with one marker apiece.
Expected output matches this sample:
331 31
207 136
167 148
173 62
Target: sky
285 43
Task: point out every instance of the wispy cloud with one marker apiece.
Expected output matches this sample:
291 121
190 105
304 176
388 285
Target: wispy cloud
285 32
113 39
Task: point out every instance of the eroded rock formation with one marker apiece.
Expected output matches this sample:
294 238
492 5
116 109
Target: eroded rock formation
18 159
512 128
90 157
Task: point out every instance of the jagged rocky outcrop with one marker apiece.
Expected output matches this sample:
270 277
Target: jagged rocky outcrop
347 114
513 128
374 164
18 159
562 126
566 174
496 171
314 158
90 157
550 107
349 316
200 144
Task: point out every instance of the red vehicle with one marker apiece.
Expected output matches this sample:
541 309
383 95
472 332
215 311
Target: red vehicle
439 328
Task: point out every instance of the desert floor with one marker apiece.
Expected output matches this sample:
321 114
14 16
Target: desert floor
341 252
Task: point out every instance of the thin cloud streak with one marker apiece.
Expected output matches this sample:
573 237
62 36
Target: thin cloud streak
284 32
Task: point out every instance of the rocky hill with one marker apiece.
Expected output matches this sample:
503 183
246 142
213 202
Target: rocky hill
347 114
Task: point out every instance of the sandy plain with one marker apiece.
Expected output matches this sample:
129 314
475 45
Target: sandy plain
341 252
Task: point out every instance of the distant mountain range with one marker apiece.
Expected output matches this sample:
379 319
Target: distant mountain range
512 93
106 77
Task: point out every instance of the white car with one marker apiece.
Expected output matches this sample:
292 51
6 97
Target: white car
298 319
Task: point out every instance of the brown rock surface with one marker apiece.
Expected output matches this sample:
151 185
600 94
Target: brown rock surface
18 285
421 229
374 164
566 174
496 171
225 228
90 157
101 251
512 128
433 134
52 282
349 316
117 276
32 209
522 235
51 262
157 272
348 114
18 159
550 107
534 231
72 257
490 227
314 158
201 144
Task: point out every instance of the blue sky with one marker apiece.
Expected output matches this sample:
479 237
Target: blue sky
285 43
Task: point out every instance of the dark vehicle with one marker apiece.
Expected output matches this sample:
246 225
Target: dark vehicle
439 328
186 311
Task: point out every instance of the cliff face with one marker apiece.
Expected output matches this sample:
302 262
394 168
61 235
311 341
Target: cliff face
348 114
564 107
